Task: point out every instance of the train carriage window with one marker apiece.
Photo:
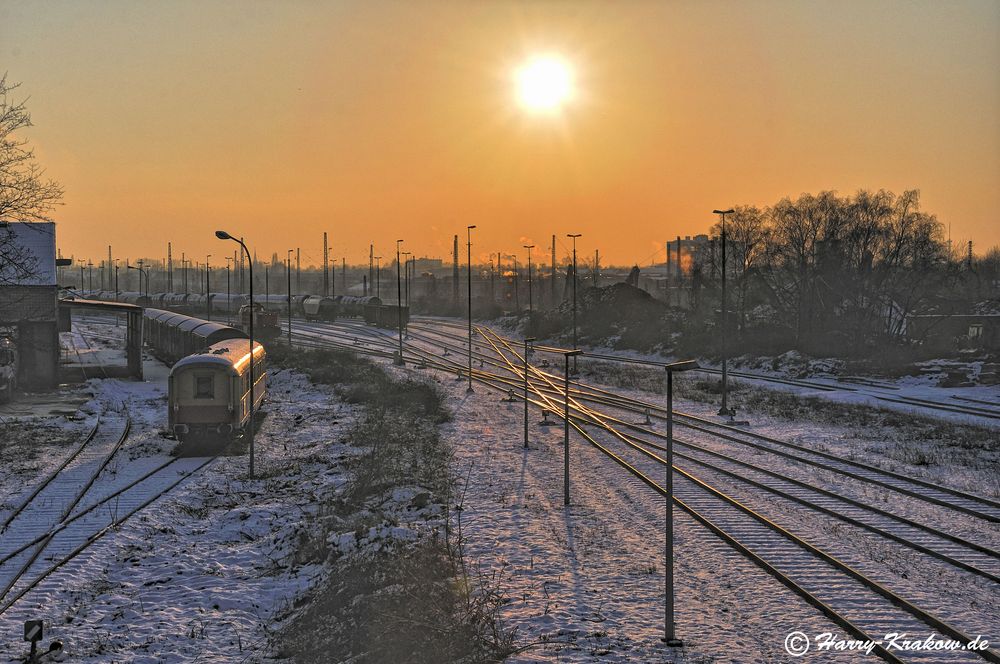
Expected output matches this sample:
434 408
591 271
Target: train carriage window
204 387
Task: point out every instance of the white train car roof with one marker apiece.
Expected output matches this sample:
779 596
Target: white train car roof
232 353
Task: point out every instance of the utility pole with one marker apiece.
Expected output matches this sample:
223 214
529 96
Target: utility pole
469 232
724 410
566 354
298 269
343 273
378 277
288 271
527 341
529 247
371 263
574 236
208 290
170 268
399 303
454 272
554 296
326 267
597 265
666 278
229 291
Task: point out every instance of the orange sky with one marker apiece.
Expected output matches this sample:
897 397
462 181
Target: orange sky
383 120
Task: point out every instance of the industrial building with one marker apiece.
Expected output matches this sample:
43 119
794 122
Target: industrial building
29 300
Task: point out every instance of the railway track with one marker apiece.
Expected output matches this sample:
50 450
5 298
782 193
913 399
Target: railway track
865 388
823 580
91 493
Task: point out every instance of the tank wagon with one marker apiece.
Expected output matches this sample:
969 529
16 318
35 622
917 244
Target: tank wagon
270 307
315 307
209 392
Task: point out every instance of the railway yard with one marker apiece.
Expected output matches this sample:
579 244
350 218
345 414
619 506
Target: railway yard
780 526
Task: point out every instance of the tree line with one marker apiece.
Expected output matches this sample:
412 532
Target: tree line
831 274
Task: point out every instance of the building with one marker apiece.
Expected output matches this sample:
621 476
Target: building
29 300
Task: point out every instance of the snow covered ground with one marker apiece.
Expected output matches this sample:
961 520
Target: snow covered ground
208 572
205 573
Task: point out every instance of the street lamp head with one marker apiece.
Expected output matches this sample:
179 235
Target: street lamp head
729 211
574 235
529 340
223 235
572 353
470 227
687 365
529 246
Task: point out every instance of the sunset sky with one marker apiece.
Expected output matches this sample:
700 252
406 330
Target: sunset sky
381 120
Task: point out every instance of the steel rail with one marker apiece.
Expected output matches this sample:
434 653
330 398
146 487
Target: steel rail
68 509
886 593
92 539
45 482
830 560
830 494
659 412
656 410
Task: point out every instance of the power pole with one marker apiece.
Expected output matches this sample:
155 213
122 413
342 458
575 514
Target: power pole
298 269
554 300
371 263
170 268
597 265
326 267
666 280
454 274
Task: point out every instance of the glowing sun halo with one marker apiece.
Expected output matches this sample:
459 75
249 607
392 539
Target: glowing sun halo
544 84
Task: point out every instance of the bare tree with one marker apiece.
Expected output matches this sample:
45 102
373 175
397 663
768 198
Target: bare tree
25 193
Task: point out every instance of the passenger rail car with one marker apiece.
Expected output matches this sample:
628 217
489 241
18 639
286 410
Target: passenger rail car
172 336
209 392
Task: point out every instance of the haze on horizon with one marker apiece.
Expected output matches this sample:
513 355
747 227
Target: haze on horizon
382 120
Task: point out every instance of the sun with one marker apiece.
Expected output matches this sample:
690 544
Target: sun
544 84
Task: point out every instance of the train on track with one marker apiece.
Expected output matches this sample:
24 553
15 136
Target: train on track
312 307
209 392
209 388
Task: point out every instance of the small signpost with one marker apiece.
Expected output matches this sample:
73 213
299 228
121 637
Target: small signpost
33 633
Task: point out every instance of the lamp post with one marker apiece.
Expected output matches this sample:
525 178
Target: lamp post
669 635
90 276
468 230
529 247
288 271
142 273
527 340
223 235
724 410
566 354
378 277
574 236
399 304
